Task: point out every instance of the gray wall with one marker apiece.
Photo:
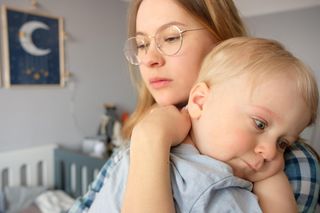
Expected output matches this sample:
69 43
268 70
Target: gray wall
97 29
299 31
93 52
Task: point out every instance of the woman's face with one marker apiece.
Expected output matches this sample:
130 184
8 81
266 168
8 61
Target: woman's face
170 78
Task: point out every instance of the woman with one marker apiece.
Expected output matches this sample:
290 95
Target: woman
166 78
164 75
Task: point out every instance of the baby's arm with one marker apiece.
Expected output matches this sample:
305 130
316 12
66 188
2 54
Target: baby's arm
148 187
275 194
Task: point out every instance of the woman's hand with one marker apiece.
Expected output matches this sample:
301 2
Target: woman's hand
149 187
167 124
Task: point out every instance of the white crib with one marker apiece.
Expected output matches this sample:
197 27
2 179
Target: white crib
49 166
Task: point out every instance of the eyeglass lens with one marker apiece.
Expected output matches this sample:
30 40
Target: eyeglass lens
168 41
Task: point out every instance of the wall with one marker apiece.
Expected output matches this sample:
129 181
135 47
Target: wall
96 31
299 31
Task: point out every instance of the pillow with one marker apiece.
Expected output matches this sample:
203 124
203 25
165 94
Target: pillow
54 201
31 209
21 197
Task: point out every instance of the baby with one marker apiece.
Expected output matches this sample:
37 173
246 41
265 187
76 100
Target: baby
252 100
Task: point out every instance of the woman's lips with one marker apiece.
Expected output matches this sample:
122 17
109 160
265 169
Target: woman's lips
158 83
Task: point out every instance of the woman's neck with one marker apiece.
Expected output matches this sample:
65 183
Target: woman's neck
188 140
181 105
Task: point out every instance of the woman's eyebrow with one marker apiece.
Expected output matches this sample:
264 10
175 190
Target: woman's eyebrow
164 26
140 33
173 23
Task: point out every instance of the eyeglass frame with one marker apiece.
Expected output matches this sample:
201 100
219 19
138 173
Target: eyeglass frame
181 32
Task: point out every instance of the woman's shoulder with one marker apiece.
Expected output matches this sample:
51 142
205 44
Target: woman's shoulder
303 172
299 157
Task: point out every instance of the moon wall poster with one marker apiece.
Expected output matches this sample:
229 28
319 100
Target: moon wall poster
33 49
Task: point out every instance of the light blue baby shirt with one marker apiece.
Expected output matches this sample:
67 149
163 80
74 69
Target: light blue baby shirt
199 184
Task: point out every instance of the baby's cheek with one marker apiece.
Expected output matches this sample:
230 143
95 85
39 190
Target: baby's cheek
278 164
273 167
242 140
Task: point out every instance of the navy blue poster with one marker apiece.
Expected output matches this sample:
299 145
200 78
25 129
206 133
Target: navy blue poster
34 49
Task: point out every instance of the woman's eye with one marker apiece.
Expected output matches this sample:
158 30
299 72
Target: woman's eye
171 38
283 144
142 43
260 124
141 46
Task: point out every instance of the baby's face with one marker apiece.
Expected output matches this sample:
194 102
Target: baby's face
249 127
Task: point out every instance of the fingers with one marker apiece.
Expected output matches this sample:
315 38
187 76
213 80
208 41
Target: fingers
168 123
184 111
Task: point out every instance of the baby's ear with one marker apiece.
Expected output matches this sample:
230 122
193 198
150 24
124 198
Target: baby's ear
197 98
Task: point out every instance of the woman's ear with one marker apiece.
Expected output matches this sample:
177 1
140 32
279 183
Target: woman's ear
197 98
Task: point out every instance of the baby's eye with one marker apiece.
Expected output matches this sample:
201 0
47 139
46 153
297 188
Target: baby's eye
282 144
261 125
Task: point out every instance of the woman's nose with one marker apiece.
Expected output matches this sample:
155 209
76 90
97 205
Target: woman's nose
153 57
267 149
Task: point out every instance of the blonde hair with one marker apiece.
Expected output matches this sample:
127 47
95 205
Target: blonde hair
219 17
261 58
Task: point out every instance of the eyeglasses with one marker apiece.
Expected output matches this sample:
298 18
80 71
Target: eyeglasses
168 41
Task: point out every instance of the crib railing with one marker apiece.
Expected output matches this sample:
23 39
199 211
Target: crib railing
75 171
49 166
27 167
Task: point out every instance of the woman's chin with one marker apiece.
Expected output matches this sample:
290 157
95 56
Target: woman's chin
168 102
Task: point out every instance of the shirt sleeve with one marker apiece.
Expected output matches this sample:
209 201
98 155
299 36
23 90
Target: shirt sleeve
303 172
83 203
231 199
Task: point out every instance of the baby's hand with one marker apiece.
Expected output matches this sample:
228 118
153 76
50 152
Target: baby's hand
163 123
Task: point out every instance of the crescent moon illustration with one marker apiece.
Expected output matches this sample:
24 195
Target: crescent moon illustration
25 38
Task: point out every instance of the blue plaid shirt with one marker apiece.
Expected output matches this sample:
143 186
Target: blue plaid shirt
302 169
